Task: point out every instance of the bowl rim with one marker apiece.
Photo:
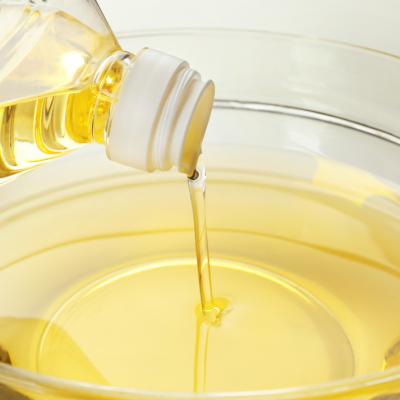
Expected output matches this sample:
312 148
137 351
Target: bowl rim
200 30
19 378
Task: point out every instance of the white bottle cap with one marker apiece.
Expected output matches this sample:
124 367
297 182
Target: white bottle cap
161 115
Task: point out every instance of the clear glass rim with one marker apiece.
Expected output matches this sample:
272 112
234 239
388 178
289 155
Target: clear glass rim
370 383
196 31
29 380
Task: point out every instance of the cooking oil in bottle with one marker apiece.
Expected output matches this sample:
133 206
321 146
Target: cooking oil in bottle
56 90
60 92
36 131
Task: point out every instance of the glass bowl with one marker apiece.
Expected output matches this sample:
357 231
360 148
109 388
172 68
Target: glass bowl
283 103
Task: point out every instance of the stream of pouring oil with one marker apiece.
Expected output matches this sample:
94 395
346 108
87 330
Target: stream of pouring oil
210 311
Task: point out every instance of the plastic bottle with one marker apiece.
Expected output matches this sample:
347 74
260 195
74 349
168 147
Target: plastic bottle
65 82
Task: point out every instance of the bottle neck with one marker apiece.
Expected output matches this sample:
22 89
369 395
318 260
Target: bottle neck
161 116
106 87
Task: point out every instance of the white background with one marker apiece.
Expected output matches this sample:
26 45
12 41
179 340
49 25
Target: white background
370 23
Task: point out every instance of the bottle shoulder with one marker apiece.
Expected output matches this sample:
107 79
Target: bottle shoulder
38 59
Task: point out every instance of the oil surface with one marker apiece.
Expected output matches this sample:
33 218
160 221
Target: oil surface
306 273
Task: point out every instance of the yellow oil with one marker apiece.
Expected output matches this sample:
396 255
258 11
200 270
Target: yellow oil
197 189
104 286
53 102
99 282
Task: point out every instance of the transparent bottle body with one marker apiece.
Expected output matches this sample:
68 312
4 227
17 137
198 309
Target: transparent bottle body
59 80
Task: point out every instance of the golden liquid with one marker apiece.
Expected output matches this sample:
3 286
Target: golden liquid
197 189
306 273
53 102
209 312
